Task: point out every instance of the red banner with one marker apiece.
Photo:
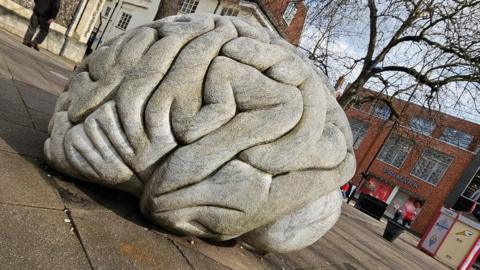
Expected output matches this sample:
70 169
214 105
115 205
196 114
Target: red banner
377 189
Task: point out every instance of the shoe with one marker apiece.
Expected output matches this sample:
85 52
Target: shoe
35 46
28 44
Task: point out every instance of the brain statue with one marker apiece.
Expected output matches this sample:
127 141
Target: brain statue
220 128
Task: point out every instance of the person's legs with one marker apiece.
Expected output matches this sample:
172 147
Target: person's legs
397 215
32 28
406 222
42 34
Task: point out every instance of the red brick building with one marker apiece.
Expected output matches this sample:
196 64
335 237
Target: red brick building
286 17
422 156
278 11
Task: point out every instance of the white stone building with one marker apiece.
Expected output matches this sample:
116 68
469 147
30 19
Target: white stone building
119 16
68 35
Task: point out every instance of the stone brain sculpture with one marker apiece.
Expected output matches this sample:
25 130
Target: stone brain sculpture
219 127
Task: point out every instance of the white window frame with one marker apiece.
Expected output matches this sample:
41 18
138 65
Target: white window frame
361 131
446 137
229 11
108 9
424 157
392 142
418 127
289 12
124 21
380 110
188 6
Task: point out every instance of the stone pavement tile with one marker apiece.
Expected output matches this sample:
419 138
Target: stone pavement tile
14 112
324 253
4 72
408 254
12 108
33 70
112 242
229 254
22 68
23 182
78 194
11 42
343 266
199 261
34 238
23 140
40 120
36 98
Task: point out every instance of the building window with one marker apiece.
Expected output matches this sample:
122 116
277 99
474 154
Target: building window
189 6
422 125
456 137
382 111
431 166
395 150
229 12
359 130
357 105
124 21
289 12
107 11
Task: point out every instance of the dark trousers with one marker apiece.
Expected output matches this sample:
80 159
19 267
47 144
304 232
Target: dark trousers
36 21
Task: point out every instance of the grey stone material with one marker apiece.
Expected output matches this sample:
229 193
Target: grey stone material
23 183
220 128
125 245
36 238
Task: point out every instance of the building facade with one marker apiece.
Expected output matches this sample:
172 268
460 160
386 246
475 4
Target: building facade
68 35
282 16
422 155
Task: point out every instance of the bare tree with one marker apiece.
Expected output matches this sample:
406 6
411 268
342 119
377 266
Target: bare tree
398 45
168 8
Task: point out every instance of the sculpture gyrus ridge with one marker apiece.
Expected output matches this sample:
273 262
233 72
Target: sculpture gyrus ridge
219 127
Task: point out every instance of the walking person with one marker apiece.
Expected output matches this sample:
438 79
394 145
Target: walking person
44 13
345 188
408 211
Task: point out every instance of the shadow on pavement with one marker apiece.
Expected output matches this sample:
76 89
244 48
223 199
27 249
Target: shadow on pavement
25 111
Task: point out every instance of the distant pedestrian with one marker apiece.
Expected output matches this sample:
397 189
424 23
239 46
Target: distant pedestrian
44 13
408 212
345 190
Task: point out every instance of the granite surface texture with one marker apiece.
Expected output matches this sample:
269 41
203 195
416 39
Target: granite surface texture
220 128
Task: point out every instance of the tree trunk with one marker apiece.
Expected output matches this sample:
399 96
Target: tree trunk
168 8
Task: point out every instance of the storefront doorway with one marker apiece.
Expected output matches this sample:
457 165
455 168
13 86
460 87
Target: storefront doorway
399 198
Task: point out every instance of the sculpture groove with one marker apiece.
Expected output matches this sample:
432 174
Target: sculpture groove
219 127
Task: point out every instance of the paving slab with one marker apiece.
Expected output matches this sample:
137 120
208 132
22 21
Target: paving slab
12 108
13 43
112 242
40 120
230 254
199 261
36 98
356 242
22 140
23 182
34 238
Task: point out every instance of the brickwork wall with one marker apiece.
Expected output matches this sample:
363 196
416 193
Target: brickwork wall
434 196
67 9
274 10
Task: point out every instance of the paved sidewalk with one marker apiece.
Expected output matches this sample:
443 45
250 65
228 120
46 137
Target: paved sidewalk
51 222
